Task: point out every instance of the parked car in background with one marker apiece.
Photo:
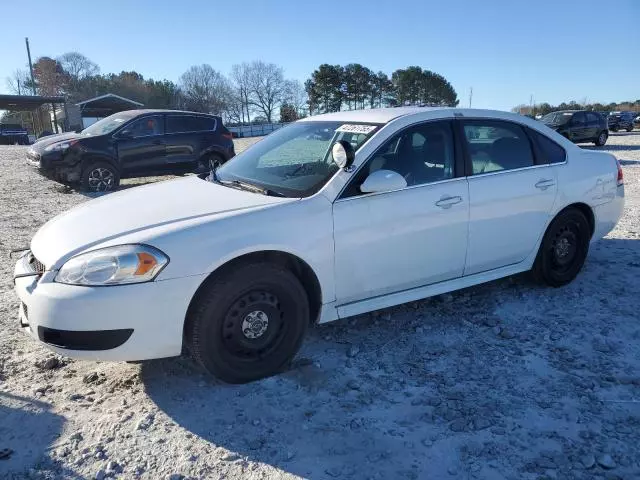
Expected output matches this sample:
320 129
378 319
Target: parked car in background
636 121
394 205
579 125
134 143
12 134
621 121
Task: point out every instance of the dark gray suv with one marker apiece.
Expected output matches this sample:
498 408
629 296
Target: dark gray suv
134 143
579 125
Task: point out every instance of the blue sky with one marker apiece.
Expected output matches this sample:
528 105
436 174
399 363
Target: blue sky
506 50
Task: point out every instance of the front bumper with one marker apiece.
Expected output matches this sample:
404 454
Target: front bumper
54 165
119 323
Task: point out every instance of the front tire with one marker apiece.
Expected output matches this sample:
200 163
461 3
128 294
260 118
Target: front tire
99 177
602 139
629 129
248 323
563 249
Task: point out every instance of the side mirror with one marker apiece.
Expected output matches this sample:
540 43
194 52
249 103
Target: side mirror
343 154
126 133
383 181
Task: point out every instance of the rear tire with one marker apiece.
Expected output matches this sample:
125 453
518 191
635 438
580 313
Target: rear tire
629 129
614 129
248 323
99 177
209 162
563 249
602 139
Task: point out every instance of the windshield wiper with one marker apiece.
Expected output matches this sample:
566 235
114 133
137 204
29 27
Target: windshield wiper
250 187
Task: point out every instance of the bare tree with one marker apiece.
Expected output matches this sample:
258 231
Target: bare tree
241 77
19 83
205 89
235 108
77 65
267 87
295 95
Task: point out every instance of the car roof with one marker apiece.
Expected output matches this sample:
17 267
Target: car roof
386 115
144 111
372 115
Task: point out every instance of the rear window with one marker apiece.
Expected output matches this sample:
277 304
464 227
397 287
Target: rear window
550 150
11 126
189 123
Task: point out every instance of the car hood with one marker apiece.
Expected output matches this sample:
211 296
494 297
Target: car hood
106 219
51 139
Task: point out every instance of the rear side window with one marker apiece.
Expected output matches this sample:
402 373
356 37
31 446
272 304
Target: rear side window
547 148
495 145
593 118
189 123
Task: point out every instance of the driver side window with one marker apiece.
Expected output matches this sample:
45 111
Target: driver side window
145 126
422 154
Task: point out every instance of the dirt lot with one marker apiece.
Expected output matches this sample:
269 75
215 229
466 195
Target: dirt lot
507 380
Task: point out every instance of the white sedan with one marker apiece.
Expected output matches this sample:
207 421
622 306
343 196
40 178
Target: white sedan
332 216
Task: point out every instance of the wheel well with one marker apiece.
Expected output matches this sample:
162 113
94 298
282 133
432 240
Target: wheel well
90 160
587 212
299 267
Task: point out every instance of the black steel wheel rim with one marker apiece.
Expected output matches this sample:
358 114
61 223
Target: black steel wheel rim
565 247
254 326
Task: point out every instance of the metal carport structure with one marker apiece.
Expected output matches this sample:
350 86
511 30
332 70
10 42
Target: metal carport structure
30 103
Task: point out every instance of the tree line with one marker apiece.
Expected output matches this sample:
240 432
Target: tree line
544 108
334 87
252 92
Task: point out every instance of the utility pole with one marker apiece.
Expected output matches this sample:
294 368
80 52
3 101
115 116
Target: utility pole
33 83
470 95
531 105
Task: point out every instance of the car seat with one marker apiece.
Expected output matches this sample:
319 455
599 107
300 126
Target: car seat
509 153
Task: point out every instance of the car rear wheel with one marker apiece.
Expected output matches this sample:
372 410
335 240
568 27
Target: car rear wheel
248 323
602 139
100 177
614 129
209 162
563 249
629 129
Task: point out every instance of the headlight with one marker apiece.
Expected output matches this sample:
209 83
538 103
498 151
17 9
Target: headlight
120 265
60 146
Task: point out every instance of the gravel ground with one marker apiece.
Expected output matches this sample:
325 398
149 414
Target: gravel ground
506 380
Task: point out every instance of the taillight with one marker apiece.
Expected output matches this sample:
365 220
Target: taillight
228 136
620 174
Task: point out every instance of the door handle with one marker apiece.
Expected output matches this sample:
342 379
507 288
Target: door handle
447 202
545 183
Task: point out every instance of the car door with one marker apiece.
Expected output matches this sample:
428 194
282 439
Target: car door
593 125
392 241
185 137
511 194
140 145
579 131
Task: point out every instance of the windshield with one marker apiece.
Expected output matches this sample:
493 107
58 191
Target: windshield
294 161
109 124
557 118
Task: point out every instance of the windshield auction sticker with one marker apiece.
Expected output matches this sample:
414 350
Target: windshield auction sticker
352 128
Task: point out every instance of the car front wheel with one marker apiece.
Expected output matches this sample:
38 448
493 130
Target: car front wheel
99 177
563 249
248 323
602 139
